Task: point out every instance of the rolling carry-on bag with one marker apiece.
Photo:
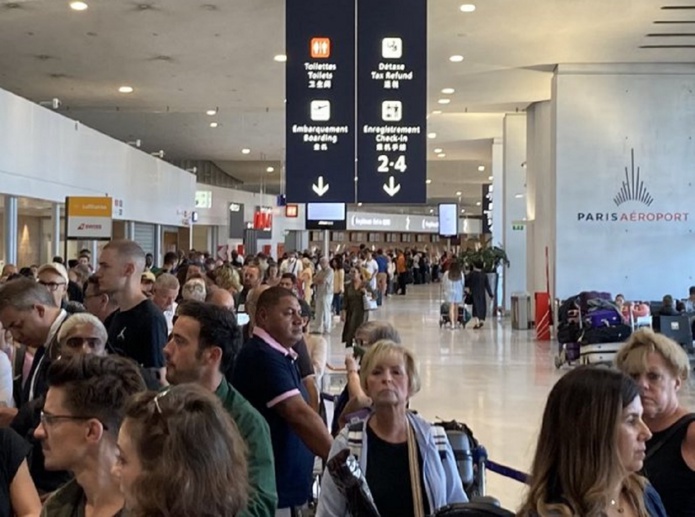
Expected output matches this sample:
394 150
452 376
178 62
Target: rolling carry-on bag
602 353
603 318
615 334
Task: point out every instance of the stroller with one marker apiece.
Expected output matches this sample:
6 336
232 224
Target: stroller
464 316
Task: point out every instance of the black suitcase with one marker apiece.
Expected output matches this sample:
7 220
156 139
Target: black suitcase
614 334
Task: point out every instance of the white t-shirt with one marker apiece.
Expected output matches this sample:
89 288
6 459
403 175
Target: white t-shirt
373 268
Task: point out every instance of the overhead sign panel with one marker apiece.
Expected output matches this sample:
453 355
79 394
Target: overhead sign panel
88 217
320 109
392 101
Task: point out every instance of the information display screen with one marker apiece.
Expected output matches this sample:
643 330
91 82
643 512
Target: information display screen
448 219
326 216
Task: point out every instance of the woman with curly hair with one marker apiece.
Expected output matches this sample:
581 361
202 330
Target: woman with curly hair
181 455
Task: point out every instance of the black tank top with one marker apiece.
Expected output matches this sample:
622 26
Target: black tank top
669 474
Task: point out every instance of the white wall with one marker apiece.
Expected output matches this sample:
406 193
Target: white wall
602 113
45 155
514 208
540 198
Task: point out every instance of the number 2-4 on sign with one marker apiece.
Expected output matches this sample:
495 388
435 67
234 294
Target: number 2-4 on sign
385 165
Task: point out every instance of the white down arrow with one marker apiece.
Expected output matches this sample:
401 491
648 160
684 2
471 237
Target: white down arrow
320 188
392 187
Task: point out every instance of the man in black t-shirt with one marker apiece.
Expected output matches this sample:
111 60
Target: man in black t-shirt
138 329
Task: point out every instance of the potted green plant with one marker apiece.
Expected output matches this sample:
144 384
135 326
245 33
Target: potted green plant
490 258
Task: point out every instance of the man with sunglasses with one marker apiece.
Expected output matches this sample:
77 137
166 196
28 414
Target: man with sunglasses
82 415
54 277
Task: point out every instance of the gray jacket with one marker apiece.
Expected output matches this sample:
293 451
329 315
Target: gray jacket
440 475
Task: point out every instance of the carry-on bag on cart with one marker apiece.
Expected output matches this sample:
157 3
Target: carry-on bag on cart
615 334
601 353
603 318
473 509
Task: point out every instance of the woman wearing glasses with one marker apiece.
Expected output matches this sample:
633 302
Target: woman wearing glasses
660 367
180 455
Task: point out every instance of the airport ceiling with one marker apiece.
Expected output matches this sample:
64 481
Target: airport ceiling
184 57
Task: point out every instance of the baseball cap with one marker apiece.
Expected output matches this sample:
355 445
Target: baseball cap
56 268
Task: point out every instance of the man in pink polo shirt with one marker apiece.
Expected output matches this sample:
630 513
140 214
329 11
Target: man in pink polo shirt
266 375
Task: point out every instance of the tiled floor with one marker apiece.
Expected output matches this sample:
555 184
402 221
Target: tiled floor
494 379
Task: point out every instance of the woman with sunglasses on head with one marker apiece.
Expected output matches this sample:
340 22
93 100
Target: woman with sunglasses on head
590 449
181 455
661 368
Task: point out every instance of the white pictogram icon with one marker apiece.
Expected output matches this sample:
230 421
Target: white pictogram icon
320 110
392 111
392 48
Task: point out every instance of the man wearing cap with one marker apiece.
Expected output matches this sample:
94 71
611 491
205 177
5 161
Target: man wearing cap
54 277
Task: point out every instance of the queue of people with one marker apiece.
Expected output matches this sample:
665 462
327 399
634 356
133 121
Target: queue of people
124 411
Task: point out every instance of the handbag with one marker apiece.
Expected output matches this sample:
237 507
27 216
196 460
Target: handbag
368 303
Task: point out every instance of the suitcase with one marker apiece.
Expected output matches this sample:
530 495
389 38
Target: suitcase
603 318
614 334
603 353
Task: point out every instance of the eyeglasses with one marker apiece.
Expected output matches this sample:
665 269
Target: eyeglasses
51 286
78 342
47 419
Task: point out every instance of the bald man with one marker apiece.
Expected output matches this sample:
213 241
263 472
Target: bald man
221 298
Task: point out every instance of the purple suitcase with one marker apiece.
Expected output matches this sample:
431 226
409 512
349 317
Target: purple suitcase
603 318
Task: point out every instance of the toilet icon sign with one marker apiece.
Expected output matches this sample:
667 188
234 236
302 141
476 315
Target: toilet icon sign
320 48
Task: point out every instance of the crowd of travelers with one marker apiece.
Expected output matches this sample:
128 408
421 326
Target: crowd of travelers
132 390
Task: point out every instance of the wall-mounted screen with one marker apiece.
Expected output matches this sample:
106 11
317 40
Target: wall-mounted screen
448 220
326 216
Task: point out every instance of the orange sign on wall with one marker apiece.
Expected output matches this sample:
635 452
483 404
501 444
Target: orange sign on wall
320 48
89 206
89 217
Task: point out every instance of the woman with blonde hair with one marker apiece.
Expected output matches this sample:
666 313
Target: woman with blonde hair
306 278
408 463
590 448
661 368
181 455
228 279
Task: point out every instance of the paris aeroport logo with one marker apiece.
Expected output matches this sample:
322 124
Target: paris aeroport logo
633 192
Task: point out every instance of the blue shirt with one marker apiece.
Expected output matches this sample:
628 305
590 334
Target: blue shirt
383 263
266 374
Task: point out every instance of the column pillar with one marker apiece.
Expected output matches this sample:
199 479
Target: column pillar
55 229
130 230
157 252
497 174
514 204
326 242
11 230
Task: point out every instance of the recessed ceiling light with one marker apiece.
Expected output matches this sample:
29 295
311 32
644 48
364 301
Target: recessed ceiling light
213 124
126 89
431 135
431 210
444 101
280 58
481 168
456 58
438 150
448 91
441 155
78 6
467 8
458 193
463 210
245 150
211 112
437 112
359 204
489 178
478 203
428 181
518 196
270 169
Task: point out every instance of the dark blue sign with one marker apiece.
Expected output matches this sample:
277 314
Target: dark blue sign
392 101
320 109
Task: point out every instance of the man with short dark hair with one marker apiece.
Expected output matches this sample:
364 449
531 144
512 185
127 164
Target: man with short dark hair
138 329
98 302
252 279
171 259
266 374
82 414
203 343
288 281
